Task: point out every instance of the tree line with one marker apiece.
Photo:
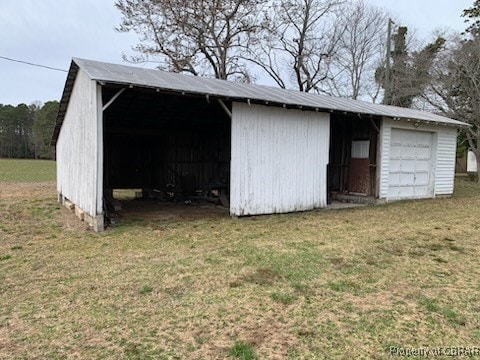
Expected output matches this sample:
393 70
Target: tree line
26 130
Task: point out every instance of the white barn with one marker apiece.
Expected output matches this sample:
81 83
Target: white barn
269 150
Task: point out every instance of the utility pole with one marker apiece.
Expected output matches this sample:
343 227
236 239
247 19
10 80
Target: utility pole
388 87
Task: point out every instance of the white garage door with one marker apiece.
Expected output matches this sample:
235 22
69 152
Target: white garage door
410 170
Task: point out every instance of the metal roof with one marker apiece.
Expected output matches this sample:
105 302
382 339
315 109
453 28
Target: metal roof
107 73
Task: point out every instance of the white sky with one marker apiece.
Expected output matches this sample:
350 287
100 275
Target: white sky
51 32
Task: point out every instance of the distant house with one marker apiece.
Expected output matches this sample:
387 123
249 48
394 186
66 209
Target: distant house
274 150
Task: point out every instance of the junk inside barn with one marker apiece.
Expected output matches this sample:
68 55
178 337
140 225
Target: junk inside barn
253 149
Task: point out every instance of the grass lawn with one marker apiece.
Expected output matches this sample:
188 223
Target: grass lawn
15 170
322 284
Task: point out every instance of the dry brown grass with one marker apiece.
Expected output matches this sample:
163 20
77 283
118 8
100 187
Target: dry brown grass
347 283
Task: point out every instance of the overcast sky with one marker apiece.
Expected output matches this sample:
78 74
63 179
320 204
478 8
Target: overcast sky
51 32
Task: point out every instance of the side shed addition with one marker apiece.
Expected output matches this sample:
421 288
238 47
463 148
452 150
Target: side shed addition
263 150
417 161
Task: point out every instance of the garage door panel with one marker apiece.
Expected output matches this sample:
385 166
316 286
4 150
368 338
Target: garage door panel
422 178
395 165
422 166
424 139
395 190
408 152
396 137
410 169
396 152
420 191
407 179
394 179
423 158
405 192
407 166
423 154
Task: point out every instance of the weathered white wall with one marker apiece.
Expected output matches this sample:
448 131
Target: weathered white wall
79 148
444 147
446 156
279 160
472 165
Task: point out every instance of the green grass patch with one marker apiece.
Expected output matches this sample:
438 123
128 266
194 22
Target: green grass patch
341 285
447 312
283 297
20 170
243 351
146 289
429 304
453 316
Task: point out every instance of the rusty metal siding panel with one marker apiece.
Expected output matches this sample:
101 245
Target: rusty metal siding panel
77 147
279 160
443 157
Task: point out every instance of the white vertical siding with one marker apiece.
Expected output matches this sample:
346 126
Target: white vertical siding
78 148
383 158
472 165
99 150
279 160
444 146
446 153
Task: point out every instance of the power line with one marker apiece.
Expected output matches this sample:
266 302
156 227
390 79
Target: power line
32 64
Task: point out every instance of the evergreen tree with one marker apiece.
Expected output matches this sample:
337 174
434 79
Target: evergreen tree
410 72
25 131
43 128
472 16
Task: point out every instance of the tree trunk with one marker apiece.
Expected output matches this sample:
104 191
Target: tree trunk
478 167
476 150
477 155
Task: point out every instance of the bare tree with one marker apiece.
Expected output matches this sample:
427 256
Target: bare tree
302 39
455 87
361 50
201 37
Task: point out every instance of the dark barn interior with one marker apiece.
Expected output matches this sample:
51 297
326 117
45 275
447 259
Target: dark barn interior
176 147
353 157
171 146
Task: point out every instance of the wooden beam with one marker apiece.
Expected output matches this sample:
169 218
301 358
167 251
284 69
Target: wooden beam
227 110
374 125
114 97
